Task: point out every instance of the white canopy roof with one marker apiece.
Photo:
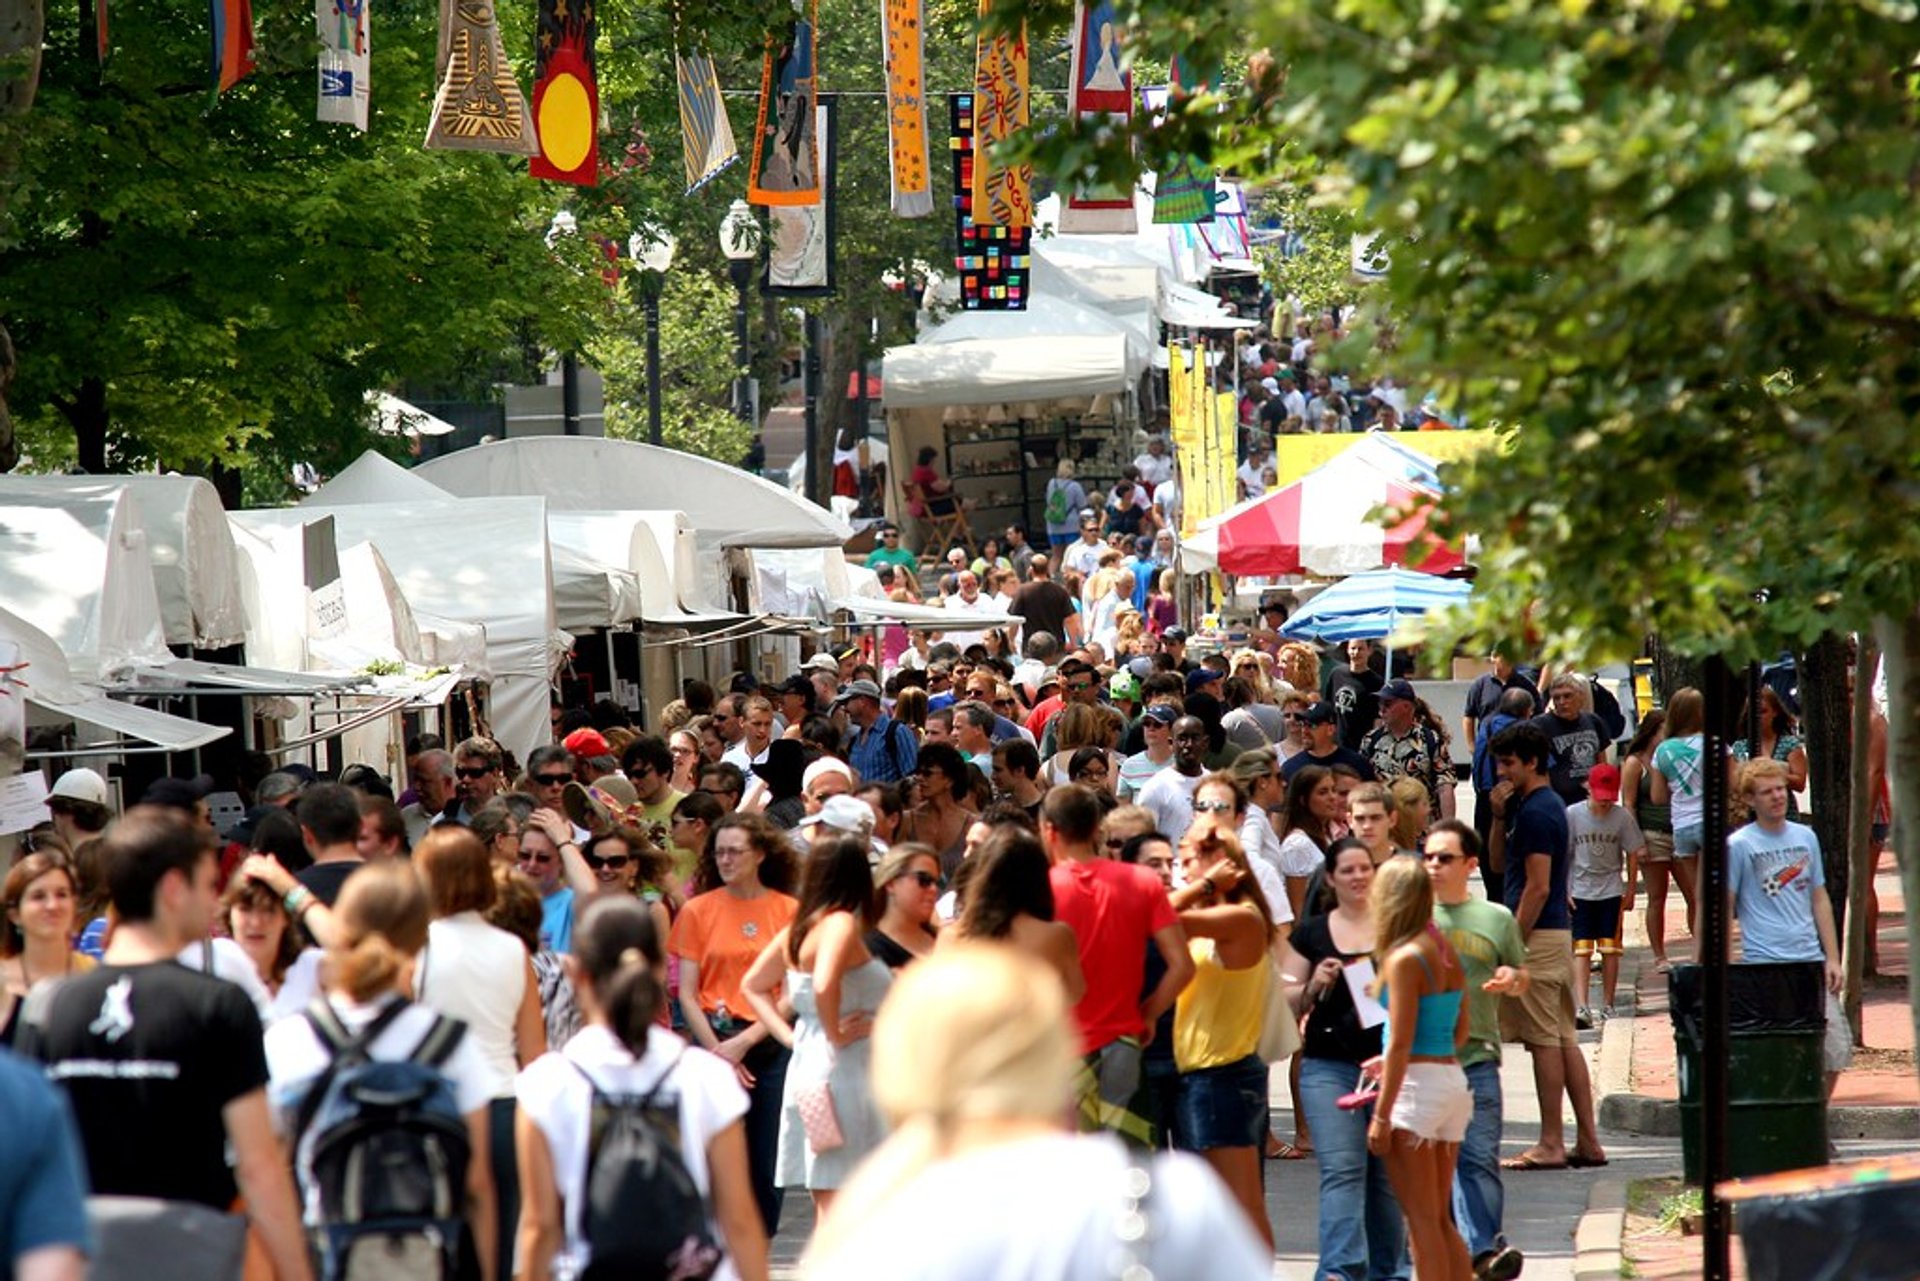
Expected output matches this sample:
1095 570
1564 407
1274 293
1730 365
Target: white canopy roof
478 560
374 478
188 543
654 545
726 507
1046 313
74 564
51 688
988 371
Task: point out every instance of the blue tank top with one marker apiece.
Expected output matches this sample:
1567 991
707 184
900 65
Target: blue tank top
1434 1025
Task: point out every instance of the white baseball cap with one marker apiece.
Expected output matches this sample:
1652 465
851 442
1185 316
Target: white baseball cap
81 785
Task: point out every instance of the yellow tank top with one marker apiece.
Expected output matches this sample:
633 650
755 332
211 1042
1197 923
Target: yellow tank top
1216 1021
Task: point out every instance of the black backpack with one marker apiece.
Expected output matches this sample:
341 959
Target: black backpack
389 1153
633 1162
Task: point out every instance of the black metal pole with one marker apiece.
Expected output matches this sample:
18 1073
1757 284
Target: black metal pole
1716 1240
653 362
570 394
741 270
811 380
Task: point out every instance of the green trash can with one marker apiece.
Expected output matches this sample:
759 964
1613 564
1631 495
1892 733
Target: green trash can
1776 1081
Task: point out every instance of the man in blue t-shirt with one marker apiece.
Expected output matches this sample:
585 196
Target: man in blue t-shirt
1531 846
1779 890
43 1216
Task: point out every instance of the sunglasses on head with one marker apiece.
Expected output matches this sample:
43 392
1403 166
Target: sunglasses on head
473 771
611 862
553 780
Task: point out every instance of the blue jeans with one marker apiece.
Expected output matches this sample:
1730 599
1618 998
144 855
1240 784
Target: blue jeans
768 1063
1479 1199
1362 1234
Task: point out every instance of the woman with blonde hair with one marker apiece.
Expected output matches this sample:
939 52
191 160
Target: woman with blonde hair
907 885
1129 635
1425 1104
1105 592
684 747
1080 725
1412 813
973 1066
1299 665
910 709
381 924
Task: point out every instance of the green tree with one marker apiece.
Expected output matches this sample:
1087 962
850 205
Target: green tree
696 371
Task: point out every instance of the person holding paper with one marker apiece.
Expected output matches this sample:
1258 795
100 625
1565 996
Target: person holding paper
1362 1235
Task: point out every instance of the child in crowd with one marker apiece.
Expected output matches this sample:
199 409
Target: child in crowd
1606 843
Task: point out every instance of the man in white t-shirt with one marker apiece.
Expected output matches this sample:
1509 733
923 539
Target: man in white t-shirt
1168 795
969 599
1156 465
1083 557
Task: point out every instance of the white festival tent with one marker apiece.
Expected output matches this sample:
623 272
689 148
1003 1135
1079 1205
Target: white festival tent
195 568
654 547
479 560
725 506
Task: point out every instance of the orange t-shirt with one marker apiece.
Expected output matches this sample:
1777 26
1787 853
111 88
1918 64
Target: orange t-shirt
724 935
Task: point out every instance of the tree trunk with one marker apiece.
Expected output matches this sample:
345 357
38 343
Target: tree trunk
1826 723
1673 670
87 413
1858 945
1900 644
22 29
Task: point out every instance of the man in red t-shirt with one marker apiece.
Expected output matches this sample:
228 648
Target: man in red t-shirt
1117 911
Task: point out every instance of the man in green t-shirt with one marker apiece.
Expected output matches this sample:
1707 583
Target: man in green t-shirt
648 764
1487 940
890 552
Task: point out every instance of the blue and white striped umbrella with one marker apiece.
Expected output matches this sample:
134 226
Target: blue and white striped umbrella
1374 604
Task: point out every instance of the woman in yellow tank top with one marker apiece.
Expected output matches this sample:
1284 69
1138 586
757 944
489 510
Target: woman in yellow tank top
1220 1107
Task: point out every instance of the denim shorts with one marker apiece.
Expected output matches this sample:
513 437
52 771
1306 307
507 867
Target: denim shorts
1221 1107
1689 840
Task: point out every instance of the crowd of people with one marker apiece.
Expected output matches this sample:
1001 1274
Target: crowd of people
870 934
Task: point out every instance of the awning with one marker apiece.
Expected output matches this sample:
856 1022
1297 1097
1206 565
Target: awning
869 610
167 733
189 676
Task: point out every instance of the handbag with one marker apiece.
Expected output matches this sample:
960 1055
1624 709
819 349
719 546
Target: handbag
1279 1025
149 1239
819 1117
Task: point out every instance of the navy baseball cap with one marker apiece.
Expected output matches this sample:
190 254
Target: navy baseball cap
1161 714
1320 713
1397 689
1201 677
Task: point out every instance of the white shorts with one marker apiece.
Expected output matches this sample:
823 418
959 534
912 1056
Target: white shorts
1434 1102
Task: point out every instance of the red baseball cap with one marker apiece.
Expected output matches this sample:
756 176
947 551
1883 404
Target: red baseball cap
1603 782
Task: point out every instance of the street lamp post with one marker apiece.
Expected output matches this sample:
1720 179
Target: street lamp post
651 249
739 241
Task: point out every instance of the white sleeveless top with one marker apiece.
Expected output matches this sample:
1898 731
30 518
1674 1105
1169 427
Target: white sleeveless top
477 973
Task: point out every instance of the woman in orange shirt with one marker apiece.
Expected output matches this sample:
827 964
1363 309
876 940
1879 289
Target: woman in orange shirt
741 901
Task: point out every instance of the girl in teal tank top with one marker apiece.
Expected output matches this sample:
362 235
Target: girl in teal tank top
1424 1105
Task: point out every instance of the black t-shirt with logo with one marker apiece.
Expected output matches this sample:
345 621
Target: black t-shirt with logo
1353 696
149 1055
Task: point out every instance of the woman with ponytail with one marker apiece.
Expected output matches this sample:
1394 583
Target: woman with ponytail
379 927
619 978
974 1056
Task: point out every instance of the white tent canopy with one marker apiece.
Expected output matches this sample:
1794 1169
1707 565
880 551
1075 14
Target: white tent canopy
74 564
990 371
374 478
652 546
188 544
478 560
1046 314
727 507
51 689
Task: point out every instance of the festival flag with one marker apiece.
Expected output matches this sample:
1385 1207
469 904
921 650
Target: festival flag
1002 195
232 43
1100 88
345 57
1185 192
786 163
566 94
705 132
479 106
995 263
801 238
904 40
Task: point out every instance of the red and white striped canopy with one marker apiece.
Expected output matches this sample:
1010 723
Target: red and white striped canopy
1320 525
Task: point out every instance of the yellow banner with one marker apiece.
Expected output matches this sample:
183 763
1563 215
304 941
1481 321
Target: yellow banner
1203 427
1295 456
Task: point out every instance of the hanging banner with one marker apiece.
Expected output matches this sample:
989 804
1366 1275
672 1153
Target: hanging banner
566 94
786 163
1099 88
1002 195
909 163
479 106
706 135
1184 193
232 43
344 61
801 238
1202 425
995 263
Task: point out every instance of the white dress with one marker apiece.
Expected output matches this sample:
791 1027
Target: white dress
846 1072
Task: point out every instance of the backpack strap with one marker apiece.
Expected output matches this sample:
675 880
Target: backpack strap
438 1045
341 1045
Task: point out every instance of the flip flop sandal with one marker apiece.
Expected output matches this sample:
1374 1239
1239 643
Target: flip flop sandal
1524 1162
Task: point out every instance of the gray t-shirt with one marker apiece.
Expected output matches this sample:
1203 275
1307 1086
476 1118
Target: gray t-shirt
1601 844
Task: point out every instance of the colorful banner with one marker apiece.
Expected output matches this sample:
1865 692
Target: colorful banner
566 94
909 163
1184 193
1002 195
479 106
1295 456
995 262
801 238
706 135
786 160
345 58
232 43
1099 89
1203 426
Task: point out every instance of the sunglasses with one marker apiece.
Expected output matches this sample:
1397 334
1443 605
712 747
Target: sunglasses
1213 807
553 780
611 862
1081 687
473 771
928 881
538 860
1443 859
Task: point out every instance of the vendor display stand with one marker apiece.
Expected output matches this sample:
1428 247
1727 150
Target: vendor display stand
1003 468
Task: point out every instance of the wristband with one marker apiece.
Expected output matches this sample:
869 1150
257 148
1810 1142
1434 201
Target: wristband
297 900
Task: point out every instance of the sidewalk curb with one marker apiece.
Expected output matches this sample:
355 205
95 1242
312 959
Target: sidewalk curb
1660 1118
1598 1238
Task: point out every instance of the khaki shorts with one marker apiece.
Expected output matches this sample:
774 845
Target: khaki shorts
1659 848
1543 1014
